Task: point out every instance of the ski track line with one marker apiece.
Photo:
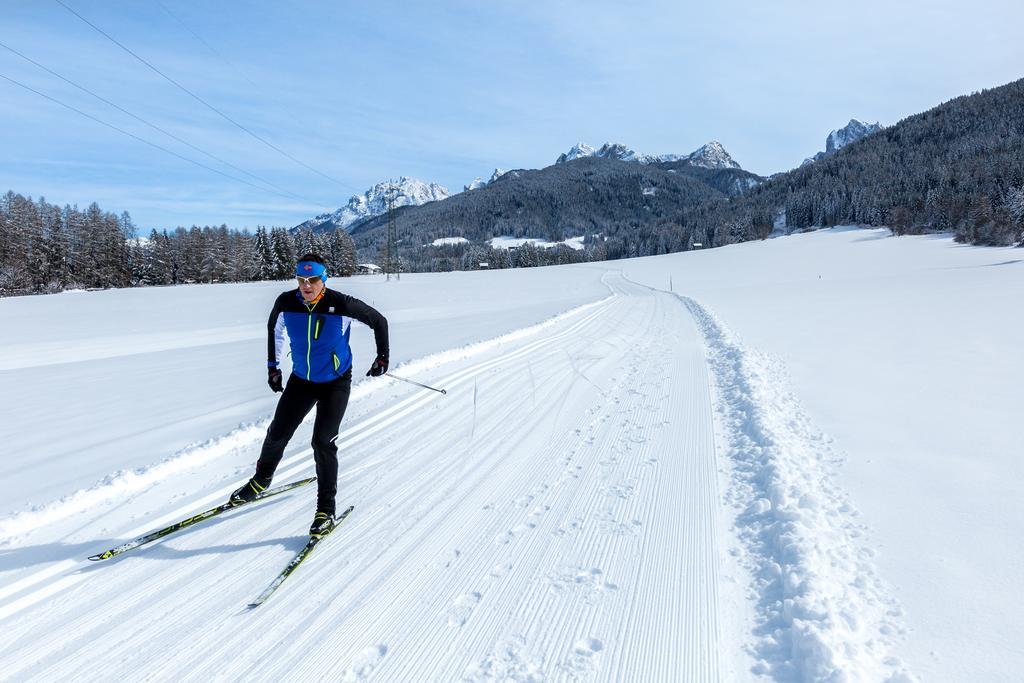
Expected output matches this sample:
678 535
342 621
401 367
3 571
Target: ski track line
638 650
410 404
580 512
352 435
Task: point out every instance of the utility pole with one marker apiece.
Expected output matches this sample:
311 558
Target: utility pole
391 250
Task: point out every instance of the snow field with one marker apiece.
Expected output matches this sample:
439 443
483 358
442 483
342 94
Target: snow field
537 523
554 515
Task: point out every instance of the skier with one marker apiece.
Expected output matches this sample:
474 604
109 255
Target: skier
318 322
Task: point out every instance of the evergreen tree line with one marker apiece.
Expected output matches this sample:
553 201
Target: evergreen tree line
45 248
469 256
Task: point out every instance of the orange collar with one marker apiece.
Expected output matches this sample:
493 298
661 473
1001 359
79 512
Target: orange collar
312 304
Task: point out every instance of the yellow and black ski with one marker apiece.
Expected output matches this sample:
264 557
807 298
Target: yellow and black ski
296 561
195 519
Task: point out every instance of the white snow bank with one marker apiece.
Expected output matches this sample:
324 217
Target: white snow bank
514 242
441 241
122 483
824 612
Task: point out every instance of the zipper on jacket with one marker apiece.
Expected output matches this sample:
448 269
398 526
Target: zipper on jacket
309 342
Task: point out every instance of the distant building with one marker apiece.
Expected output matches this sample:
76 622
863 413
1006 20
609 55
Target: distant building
484 265
367 268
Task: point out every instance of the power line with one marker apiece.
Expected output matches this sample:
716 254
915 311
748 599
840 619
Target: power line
260 89
269 184
199 99
208 46
132 135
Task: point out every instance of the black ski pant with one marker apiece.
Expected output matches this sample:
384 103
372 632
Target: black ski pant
299 397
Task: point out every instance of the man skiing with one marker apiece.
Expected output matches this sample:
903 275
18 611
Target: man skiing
318 322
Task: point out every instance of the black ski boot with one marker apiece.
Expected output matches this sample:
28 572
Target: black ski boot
323 524
249 490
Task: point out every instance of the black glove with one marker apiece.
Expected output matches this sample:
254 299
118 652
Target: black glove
274 379
379 367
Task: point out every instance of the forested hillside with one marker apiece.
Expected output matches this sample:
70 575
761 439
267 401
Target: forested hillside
958 167
622 208
46 248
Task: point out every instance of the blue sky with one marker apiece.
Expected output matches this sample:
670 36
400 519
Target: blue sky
447 91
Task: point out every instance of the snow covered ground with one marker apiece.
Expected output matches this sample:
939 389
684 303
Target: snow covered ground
787 460
513 242
907 353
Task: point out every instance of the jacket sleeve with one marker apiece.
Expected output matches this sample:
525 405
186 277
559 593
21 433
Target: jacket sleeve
372 318
275 334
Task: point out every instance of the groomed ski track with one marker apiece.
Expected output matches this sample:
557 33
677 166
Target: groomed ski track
556 516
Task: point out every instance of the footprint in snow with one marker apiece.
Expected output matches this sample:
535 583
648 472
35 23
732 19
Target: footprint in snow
573 526
454 555
607 523
622 491
504 538
364 663
500 570
521 528
589 583
582 661
539 510
509 661
462 608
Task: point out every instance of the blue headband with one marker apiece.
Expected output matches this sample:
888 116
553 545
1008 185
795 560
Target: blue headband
311 269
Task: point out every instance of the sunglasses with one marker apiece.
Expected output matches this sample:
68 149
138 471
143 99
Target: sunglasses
308 280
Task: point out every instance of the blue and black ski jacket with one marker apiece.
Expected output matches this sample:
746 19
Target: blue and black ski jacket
318 333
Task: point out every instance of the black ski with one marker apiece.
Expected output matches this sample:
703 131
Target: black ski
195 519
296 561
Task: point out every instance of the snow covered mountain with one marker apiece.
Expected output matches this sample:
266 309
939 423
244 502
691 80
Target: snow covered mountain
374 202
838 139
479 182
712 155
580 149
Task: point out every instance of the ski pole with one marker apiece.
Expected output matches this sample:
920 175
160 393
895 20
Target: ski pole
402 379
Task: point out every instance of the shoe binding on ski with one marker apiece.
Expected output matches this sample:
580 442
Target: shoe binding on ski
323 524
249 490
